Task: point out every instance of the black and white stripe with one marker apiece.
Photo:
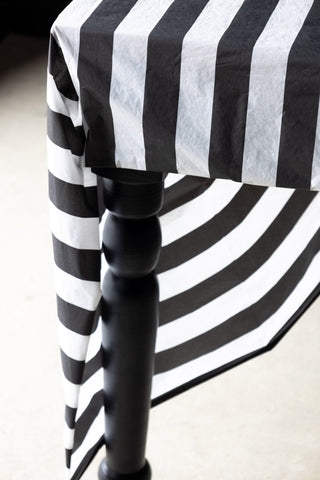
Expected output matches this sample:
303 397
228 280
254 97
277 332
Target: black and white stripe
224 96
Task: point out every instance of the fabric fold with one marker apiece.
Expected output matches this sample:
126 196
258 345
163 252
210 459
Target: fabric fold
161 87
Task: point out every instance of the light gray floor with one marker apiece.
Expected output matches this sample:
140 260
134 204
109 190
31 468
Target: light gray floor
259 421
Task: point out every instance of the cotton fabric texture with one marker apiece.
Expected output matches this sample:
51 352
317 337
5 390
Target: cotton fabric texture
223 95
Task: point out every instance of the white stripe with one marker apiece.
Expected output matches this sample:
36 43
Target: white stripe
68 167
60 104
243 345
83 293
171 179
73 344
129 59
228 249
196 212
66 30
104 266
71 393
198 60
78 232
247 292
94 342
95 432
93 385
79 396
68 437
266 91
315 175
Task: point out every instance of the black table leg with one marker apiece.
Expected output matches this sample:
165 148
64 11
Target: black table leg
131 244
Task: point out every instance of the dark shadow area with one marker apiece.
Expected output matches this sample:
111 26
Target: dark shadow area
29 18
24 30
17 50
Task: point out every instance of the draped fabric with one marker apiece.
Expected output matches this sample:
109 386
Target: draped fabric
223 96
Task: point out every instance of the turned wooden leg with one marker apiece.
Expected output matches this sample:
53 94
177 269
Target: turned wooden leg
131 244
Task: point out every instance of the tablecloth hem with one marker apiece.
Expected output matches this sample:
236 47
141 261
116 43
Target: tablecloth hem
273 342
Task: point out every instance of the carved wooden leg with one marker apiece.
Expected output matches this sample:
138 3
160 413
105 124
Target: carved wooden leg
131 244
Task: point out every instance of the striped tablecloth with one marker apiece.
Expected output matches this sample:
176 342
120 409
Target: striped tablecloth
222 95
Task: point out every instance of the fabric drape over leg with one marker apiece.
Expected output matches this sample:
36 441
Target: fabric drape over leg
239 262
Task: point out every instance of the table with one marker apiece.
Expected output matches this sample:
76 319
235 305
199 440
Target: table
195 125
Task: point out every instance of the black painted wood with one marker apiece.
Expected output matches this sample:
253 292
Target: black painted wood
131 244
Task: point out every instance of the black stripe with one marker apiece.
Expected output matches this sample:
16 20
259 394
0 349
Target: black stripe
162 83
83 264
76 318
94 72
243 322
63 133
232 87
238 361
78 372
59 70
92 366
100 199
73 199
72 369
68 457
203 237
301 103
87 459
70 416
183 191
86 419
243 267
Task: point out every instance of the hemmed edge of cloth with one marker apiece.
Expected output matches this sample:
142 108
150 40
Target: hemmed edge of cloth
234 363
